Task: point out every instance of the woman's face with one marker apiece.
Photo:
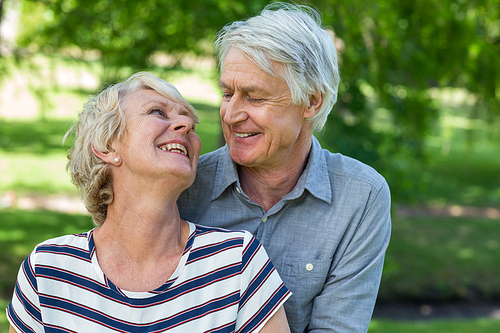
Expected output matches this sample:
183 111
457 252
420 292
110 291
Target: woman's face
159 140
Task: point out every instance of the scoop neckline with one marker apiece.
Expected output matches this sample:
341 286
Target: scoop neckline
140 294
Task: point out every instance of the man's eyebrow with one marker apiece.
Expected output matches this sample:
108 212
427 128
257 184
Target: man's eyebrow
249 88
222 84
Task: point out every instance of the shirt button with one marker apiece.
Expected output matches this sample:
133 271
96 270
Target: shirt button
264 219
309 267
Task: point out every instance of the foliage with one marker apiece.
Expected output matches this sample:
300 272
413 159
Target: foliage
391 53
129 33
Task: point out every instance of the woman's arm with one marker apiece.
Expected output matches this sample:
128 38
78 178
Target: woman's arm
276 324
12 330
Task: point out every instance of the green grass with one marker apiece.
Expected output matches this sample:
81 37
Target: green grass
483 325
441 259
465 176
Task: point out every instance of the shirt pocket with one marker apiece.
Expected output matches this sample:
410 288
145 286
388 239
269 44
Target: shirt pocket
305 277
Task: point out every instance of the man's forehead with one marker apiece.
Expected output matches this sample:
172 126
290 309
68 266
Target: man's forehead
241 85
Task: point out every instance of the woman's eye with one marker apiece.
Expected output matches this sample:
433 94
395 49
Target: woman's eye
157 111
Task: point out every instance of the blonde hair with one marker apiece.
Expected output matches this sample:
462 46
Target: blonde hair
102 121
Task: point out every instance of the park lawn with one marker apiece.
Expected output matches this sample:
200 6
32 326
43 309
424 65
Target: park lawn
442 259
483 325
467 175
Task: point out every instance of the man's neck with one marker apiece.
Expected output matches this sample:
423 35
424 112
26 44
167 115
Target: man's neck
267 187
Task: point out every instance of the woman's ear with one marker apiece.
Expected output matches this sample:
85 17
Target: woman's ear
110 157
315 103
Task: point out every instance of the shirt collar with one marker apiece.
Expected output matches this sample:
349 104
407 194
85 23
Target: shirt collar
226 173
315 177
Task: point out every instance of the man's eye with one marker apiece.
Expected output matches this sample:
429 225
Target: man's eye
227 96
254 100
157 111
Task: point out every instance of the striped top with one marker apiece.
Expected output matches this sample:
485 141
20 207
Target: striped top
224 282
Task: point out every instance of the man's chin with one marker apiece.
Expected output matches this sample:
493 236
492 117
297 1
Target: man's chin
243 158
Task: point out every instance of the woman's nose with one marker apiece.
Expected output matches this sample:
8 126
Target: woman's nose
183 123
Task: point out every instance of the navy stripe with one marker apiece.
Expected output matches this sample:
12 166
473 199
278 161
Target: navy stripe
105 320
30 308
263 313
64 250
30 274
215 248
250 251
57 329
257 282
21 326
200 230
107 292
227 328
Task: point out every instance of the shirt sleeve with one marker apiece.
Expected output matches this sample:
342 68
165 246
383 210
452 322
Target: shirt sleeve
348 297
23 312
262 290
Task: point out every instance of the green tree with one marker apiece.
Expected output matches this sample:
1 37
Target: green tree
391 53
394 52
127 33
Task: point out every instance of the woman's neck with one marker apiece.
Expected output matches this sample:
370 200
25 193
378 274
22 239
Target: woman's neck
141 241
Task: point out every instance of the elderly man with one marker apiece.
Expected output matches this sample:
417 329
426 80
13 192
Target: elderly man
323 218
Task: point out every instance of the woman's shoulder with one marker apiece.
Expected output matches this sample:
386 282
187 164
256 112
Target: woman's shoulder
214 234
70 239
76 245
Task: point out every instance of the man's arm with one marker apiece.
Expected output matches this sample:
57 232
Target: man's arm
348 297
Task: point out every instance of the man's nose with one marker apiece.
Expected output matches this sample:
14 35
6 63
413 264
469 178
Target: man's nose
233 110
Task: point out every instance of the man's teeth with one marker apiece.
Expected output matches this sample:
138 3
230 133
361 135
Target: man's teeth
175 147
244 135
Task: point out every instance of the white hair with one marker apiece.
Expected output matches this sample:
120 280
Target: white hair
292 36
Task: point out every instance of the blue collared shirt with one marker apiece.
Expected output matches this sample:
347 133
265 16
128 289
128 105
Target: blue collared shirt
327 237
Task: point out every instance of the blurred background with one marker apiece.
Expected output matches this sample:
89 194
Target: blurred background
419 101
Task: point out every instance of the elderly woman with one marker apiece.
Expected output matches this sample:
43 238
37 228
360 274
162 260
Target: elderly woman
143 268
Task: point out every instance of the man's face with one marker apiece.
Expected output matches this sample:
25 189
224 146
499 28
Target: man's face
262 127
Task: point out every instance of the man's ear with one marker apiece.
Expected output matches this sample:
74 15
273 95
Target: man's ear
109 157
315 103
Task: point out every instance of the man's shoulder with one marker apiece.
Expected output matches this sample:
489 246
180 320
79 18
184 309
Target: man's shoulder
345 168
208 162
